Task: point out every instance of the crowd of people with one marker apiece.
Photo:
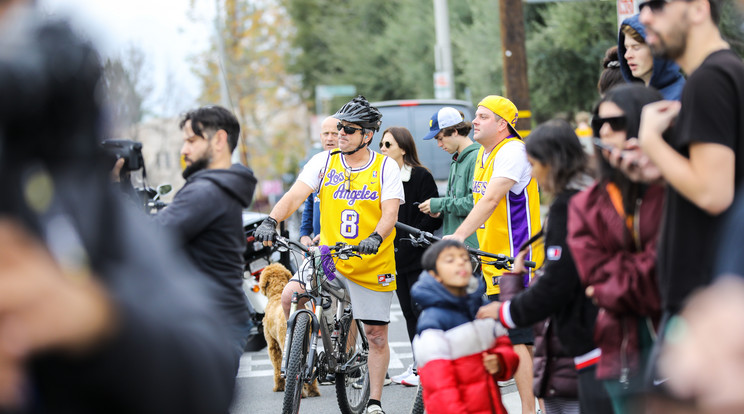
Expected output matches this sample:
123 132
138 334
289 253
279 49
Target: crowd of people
634 307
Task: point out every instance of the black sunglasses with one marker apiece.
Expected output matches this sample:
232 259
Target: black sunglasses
386 144
617 123
655 5
349 130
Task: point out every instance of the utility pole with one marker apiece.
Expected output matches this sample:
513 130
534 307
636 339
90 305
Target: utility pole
515 61
444 77
238 156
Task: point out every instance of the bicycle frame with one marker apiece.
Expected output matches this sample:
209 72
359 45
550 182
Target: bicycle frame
320 327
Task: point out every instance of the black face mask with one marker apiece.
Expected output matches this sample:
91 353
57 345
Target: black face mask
195 166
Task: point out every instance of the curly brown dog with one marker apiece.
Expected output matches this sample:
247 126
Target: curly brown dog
272 281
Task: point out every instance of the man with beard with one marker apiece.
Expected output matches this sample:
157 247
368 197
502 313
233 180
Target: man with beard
206 214
694 145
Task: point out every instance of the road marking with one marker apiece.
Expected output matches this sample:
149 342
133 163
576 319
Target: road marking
258 364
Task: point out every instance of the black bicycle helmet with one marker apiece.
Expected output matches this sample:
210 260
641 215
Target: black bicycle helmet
358 111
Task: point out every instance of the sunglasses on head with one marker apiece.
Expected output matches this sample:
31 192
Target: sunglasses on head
349 130
386 144
617 123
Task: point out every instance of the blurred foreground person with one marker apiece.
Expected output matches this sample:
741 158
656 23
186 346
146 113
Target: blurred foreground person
702 355
713 319
96 314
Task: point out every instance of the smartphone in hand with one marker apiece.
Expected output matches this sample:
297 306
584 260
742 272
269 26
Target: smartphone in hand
609 148
601 145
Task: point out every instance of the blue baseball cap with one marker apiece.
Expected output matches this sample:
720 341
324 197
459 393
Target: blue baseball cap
443 118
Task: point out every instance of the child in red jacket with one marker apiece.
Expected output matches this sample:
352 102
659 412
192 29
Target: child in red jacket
460 358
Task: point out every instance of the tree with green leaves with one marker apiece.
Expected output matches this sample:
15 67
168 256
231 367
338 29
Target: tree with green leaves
249 55
564 55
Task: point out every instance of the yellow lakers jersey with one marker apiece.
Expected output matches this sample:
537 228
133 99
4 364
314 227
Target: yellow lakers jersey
351 207
515 219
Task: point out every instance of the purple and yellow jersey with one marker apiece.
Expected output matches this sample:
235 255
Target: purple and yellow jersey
351 207
515 219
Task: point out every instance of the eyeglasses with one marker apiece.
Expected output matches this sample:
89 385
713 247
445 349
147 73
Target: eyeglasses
656 6
617 123
349 130
385 144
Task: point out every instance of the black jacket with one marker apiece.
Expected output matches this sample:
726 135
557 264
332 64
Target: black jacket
558 292
420 187
206 215
166 352
169 353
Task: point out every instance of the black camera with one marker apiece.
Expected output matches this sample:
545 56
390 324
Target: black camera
131 151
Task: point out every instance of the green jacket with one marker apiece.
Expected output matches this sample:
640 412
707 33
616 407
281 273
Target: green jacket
459 200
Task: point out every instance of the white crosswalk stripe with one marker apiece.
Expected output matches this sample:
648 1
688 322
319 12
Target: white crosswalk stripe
257 364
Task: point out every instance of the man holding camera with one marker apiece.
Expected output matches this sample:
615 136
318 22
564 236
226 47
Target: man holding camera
206 214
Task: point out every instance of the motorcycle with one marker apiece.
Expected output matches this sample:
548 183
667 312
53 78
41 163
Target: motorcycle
257 257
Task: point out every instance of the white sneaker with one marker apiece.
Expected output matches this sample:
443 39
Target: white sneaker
411 380
506 383
374 409
400 377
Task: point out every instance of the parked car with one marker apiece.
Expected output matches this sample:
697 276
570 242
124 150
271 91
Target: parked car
415 114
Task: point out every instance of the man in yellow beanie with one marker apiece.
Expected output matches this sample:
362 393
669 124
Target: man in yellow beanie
506 212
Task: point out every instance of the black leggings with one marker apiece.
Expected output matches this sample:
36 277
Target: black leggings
410 311
593 397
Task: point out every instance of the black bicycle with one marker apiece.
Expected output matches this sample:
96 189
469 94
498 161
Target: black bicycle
423 239
328 316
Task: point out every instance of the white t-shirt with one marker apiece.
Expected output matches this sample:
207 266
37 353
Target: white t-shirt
511 162
392 186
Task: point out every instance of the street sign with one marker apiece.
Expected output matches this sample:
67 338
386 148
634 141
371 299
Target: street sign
324 93
442 84
329 91
625 9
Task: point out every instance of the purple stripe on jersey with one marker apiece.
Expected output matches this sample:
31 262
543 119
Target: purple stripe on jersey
519 221
382 176
325 171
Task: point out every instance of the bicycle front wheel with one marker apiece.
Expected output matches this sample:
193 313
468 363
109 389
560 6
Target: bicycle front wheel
296 362
418 403
352 385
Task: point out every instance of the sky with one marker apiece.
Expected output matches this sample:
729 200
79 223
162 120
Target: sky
162 29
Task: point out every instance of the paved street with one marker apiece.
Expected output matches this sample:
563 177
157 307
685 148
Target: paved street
254 394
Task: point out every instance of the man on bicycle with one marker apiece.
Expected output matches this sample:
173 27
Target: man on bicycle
360 192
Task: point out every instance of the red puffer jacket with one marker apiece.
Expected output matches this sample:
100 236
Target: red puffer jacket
452 372
622 270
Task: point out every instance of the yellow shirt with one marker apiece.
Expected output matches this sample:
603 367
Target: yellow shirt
351 215
515 219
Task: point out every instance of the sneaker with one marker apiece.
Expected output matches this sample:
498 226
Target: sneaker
411 381
374 409
506 383
358 383
407 373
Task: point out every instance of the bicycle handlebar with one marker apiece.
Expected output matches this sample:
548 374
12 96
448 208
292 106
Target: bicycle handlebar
425 234
338 246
